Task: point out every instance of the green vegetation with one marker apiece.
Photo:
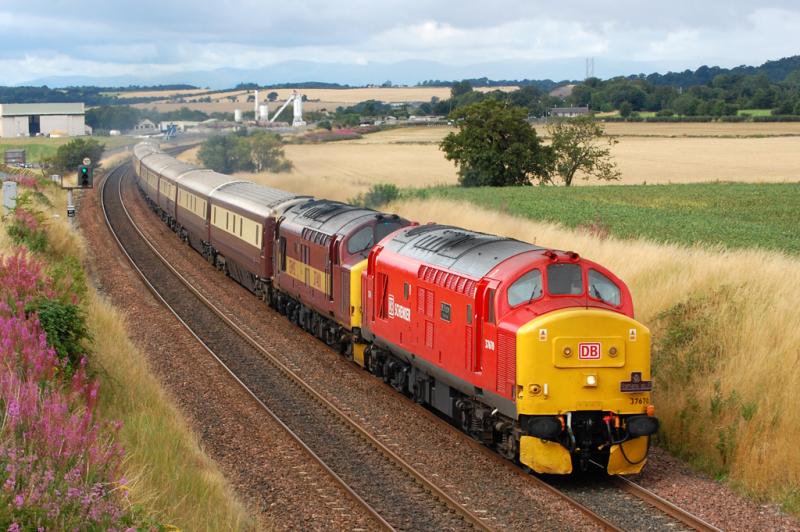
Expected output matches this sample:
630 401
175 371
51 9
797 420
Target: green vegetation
755 112
496 146
37 149
377 195
735 215
259 151
70 155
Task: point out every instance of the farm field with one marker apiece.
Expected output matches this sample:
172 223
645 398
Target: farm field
328 99
37 148
410 158
734 215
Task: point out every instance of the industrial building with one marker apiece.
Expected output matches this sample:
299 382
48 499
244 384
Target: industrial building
31 119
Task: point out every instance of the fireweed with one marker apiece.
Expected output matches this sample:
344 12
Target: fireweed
59 468
26 225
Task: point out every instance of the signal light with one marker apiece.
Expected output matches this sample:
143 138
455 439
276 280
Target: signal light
85 178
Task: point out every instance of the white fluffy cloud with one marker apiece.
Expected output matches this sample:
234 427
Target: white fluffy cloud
41 38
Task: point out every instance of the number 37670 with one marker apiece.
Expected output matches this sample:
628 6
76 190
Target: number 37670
640 400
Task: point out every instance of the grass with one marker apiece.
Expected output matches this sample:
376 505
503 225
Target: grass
169 476
38 148
726 333
754 112
735 215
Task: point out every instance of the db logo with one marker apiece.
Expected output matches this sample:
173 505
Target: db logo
589 351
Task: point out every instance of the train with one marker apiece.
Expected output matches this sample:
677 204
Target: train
533 351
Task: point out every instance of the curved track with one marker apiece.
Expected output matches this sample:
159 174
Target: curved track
390 490
393 492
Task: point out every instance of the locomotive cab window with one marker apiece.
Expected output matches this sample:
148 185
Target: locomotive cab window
360 241
564 279
603 288
526 288
383 229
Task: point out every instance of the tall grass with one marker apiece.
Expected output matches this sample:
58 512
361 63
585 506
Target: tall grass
168 475
726 347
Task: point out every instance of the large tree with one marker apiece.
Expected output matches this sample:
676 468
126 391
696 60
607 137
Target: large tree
581 145
496 146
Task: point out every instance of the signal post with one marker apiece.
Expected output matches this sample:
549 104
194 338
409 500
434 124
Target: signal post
84 179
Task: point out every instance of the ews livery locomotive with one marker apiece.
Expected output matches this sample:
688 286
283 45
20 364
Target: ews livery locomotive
530 350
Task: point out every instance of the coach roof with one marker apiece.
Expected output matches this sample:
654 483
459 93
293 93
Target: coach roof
257 199
459 250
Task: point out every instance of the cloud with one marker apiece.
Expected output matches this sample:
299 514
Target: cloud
41 38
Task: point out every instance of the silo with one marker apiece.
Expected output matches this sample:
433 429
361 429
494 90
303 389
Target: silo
237 115
263 112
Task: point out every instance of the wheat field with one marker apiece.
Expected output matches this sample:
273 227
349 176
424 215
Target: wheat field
318 99
410 157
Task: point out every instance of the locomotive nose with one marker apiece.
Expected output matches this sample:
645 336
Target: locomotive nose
586 372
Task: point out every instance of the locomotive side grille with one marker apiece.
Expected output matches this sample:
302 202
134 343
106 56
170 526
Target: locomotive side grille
448 280
429 333
506 362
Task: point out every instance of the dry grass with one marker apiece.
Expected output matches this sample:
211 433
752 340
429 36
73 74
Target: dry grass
169 475
705 129
733 410
410 157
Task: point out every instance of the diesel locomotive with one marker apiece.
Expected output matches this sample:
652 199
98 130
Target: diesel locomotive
533 351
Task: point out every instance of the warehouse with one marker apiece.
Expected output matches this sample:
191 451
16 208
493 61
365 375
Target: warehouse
30 119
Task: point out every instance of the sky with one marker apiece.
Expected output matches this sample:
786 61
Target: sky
360 41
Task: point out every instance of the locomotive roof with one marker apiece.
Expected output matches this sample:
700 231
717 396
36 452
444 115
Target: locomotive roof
257 199
456 249
330 217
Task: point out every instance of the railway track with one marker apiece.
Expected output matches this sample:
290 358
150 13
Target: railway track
394 493
385 511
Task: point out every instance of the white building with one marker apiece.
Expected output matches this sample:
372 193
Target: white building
144 126
30 119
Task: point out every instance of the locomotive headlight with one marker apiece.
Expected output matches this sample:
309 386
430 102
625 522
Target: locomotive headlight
590 380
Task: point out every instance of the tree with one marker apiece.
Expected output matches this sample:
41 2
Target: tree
272 96
267 153
226 154
495 146
625 109
581 145
70 155
459 88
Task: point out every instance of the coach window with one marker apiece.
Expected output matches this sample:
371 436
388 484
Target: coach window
526 288
360 241
564 279
603 288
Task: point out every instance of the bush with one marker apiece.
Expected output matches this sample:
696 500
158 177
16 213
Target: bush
378 195
65 327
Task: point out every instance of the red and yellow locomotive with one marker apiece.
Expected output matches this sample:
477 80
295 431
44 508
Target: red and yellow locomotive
532 351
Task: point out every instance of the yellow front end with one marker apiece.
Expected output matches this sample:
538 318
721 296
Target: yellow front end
571 362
